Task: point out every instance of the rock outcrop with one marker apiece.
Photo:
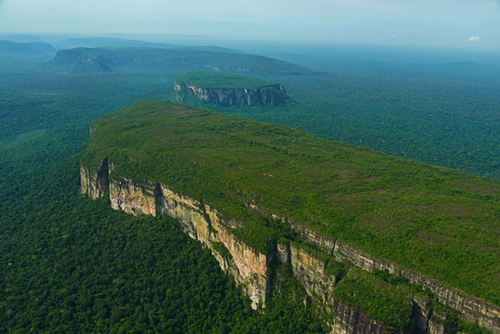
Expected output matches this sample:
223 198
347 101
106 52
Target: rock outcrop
349 319
200 222
250 267
268 95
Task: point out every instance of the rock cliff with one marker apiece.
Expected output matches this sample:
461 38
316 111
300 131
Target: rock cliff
250 268
256 194
268 95
198 220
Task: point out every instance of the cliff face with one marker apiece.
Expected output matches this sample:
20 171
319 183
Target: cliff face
269 95
356 321
95 184
311 273
201 222
469 308
250 267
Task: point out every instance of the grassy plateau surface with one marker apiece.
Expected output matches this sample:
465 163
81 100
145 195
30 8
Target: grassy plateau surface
437 221
221 80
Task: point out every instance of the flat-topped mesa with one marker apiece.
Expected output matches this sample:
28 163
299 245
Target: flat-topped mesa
381 244
228 89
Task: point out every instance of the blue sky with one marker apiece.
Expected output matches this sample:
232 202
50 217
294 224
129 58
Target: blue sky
463 24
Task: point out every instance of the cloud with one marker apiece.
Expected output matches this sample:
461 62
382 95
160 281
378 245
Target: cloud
474 39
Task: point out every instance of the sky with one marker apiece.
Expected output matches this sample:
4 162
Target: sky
452 24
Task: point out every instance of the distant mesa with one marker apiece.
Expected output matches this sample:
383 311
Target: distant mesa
83 60
111 42
177 61
227 89
25 48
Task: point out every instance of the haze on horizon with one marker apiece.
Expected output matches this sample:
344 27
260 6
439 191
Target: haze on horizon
472 25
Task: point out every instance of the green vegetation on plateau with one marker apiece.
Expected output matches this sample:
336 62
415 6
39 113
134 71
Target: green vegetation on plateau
439 222
221 80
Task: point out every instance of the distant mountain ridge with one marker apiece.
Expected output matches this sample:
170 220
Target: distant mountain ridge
112 42
29 48
177 61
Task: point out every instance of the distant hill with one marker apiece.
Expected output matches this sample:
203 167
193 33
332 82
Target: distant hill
206 48
112 42
103 42
25 48
172 61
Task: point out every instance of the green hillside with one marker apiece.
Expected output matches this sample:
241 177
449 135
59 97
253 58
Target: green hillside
437 221
221 80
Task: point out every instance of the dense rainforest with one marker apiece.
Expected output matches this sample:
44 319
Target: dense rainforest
71 264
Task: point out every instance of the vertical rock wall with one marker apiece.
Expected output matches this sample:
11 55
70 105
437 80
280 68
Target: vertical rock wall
95 184
470 308
355 321
312 274
269 95
249 267
200 221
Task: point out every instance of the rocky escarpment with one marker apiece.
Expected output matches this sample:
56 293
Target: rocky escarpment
272 95
311 272
259 194
199 221
250 267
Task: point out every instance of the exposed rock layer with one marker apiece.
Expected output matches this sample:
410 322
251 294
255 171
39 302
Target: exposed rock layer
203 223
249 266
269 95
356 321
